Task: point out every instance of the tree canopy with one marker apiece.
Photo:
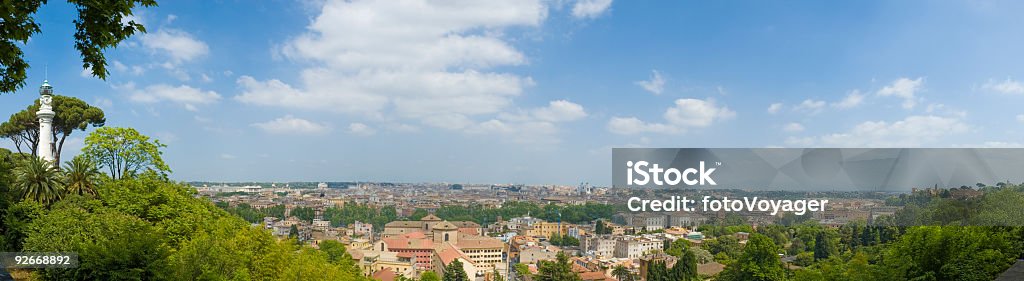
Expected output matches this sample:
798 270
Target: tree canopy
559 269
124 151
72 114
100 25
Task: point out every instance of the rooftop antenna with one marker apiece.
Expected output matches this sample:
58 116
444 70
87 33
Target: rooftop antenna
46 71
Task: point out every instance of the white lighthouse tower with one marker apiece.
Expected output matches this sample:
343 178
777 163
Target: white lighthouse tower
45 114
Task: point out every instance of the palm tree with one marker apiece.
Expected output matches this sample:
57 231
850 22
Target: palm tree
620 272
81 175
38 180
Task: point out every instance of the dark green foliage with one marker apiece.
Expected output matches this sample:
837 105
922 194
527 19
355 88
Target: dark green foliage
724 248
657 271
251 214
38 180
576 214
351 213
293 232
559 240
558 270
73 115
454 272
954 253
622 273
759 262
823 247
429 276
99 26
81 176
306 214
16 221
601 228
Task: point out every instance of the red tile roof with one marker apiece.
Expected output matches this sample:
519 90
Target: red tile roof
385 275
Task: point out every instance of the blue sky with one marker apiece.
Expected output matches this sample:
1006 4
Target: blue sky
537 91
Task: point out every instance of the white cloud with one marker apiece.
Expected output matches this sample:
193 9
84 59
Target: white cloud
793 127
104 103
361 129
810 106
903 88
774 108
537 125
291 125
942 109
853 99
588 9
418 60
187 96
1020 118
519 132
226 156
122 68
1008 86
179 45
687 113
655 85
560 111
913 131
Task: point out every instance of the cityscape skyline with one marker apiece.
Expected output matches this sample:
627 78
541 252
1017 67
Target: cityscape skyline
535 92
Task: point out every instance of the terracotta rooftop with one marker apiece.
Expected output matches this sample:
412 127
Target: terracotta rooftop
447 253
478 242
385 275
402 242
594 276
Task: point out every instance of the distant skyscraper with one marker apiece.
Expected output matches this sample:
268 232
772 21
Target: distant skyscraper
45 115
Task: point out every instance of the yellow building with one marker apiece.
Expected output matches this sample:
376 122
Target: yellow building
547 229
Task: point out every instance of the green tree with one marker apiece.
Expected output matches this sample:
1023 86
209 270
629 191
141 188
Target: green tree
304 213
702 255
73 115
685 268
124 151
601 228
823 247
677 247
454 272
621 273
17 219
22 128
81 176
293 232
558 270
760 261
657 271
39 181
724 248
100 25
337 254
522 270
429 276
953 252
